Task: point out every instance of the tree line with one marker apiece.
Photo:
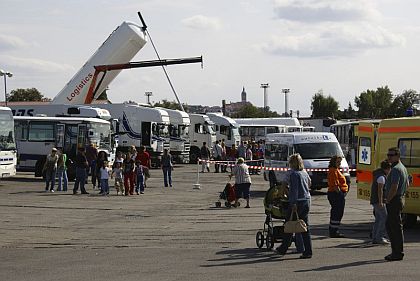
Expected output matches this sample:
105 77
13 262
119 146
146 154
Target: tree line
374 104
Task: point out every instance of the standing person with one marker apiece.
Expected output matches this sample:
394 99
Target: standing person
50 169
139 178
395 188
101 158
205 157
233 154
242 150
377 200
104 176
217 156
133 152
81 164
242 181
91 156
223 166
299 201
117 173
248 157
144 157
167 168
128 173
337 191
62 171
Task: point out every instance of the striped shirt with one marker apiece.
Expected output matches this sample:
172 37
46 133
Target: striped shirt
241 174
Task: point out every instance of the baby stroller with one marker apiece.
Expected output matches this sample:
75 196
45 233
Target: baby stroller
275 204
229 195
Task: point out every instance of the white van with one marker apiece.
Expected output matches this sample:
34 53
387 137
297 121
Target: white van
316 150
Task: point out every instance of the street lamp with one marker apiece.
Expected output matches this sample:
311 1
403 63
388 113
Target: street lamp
265 86
9 74
148 95
286 101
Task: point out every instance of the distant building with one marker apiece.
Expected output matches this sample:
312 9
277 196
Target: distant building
243 95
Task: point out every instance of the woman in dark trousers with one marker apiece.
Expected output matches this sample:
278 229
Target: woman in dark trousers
337 191
299 201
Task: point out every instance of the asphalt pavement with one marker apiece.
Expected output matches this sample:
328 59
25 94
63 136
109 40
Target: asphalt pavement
179 234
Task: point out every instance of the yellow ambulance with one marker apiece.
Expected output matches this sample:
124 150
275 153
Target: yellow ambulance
373 144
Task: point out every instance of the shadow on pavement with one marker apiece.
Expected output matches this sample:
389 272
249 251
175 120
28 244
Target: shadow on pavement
345 265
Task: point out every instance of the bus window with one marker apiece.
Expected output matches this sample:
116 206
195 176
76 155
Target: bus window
41 132
273 129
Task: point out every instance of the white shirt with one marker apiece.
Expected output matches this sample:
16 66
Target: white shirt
217 150
104 173
381 180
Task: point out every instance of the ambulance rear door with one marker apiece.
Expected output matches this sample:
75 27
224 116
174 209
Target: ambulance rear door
365 159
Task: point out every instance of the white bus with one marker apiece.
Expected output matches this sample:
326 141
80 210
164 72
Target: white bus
36 136
7 144
256 129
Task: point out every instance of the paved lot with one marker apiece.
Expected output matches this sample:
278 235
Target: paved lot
177 234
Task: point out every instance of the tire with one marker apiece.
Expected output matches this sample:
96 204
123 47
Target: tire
269 242
260 239
409 220
218 204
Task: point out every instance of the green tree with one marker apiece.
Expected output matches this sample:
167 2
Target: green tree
251 111
170 105
30 94
348 113
403 102
374 104
323 107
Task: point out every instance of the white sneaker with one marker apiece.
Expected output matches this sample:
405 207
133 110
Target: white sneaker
52 190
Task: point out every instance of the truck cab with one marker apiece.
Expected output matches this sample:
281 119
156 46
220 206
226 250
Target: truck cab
201 131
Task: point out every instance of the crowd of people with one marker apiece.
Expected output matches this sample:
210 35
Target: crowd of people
252 152
130 170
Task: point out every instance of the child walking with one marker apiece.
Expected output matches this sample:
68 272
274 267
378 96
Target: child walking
139 178
104 174
117 174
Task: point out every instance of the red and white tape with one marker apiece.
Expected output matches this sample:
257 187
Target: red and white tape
231 164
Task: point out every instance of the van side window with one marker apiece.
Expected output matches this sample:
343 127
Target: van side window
410 152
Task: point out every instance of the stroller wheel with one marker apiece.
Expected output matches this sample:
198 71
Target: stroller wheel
269 242
227 204
218 204
260 239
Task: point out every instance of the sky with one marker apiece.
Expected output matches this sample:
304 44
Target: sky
340 47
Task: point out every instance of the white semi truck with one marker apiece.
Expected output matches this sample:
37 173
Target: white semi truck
201 131
134 125
226 129
179 135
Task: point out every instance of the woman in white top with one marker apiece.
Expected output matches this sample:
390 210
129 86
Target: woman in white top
242 181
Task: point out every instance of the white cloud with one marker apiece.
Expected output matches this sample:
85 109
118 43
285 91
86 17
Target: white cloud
326 10
333 40
8 42
33 64
202 22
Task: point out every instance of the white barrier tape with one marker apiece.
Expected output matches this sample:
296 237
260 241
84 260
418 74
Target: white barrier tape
228 163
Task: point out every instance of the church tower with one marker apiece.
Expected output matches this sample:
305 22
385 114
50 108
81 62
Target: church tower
243 95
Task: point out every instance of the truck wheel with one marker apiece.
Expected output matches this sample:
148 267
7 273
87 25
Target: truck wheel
193 158
409 220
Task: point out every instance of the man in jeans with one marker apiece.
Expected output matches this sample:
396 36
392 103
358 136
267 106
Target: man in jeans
395 188
377 200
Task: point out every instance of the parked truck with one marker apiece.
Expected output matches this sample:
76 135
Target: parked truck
201 131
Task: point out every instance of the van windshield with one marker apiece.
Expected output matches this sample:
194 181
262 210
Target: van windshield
318 150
